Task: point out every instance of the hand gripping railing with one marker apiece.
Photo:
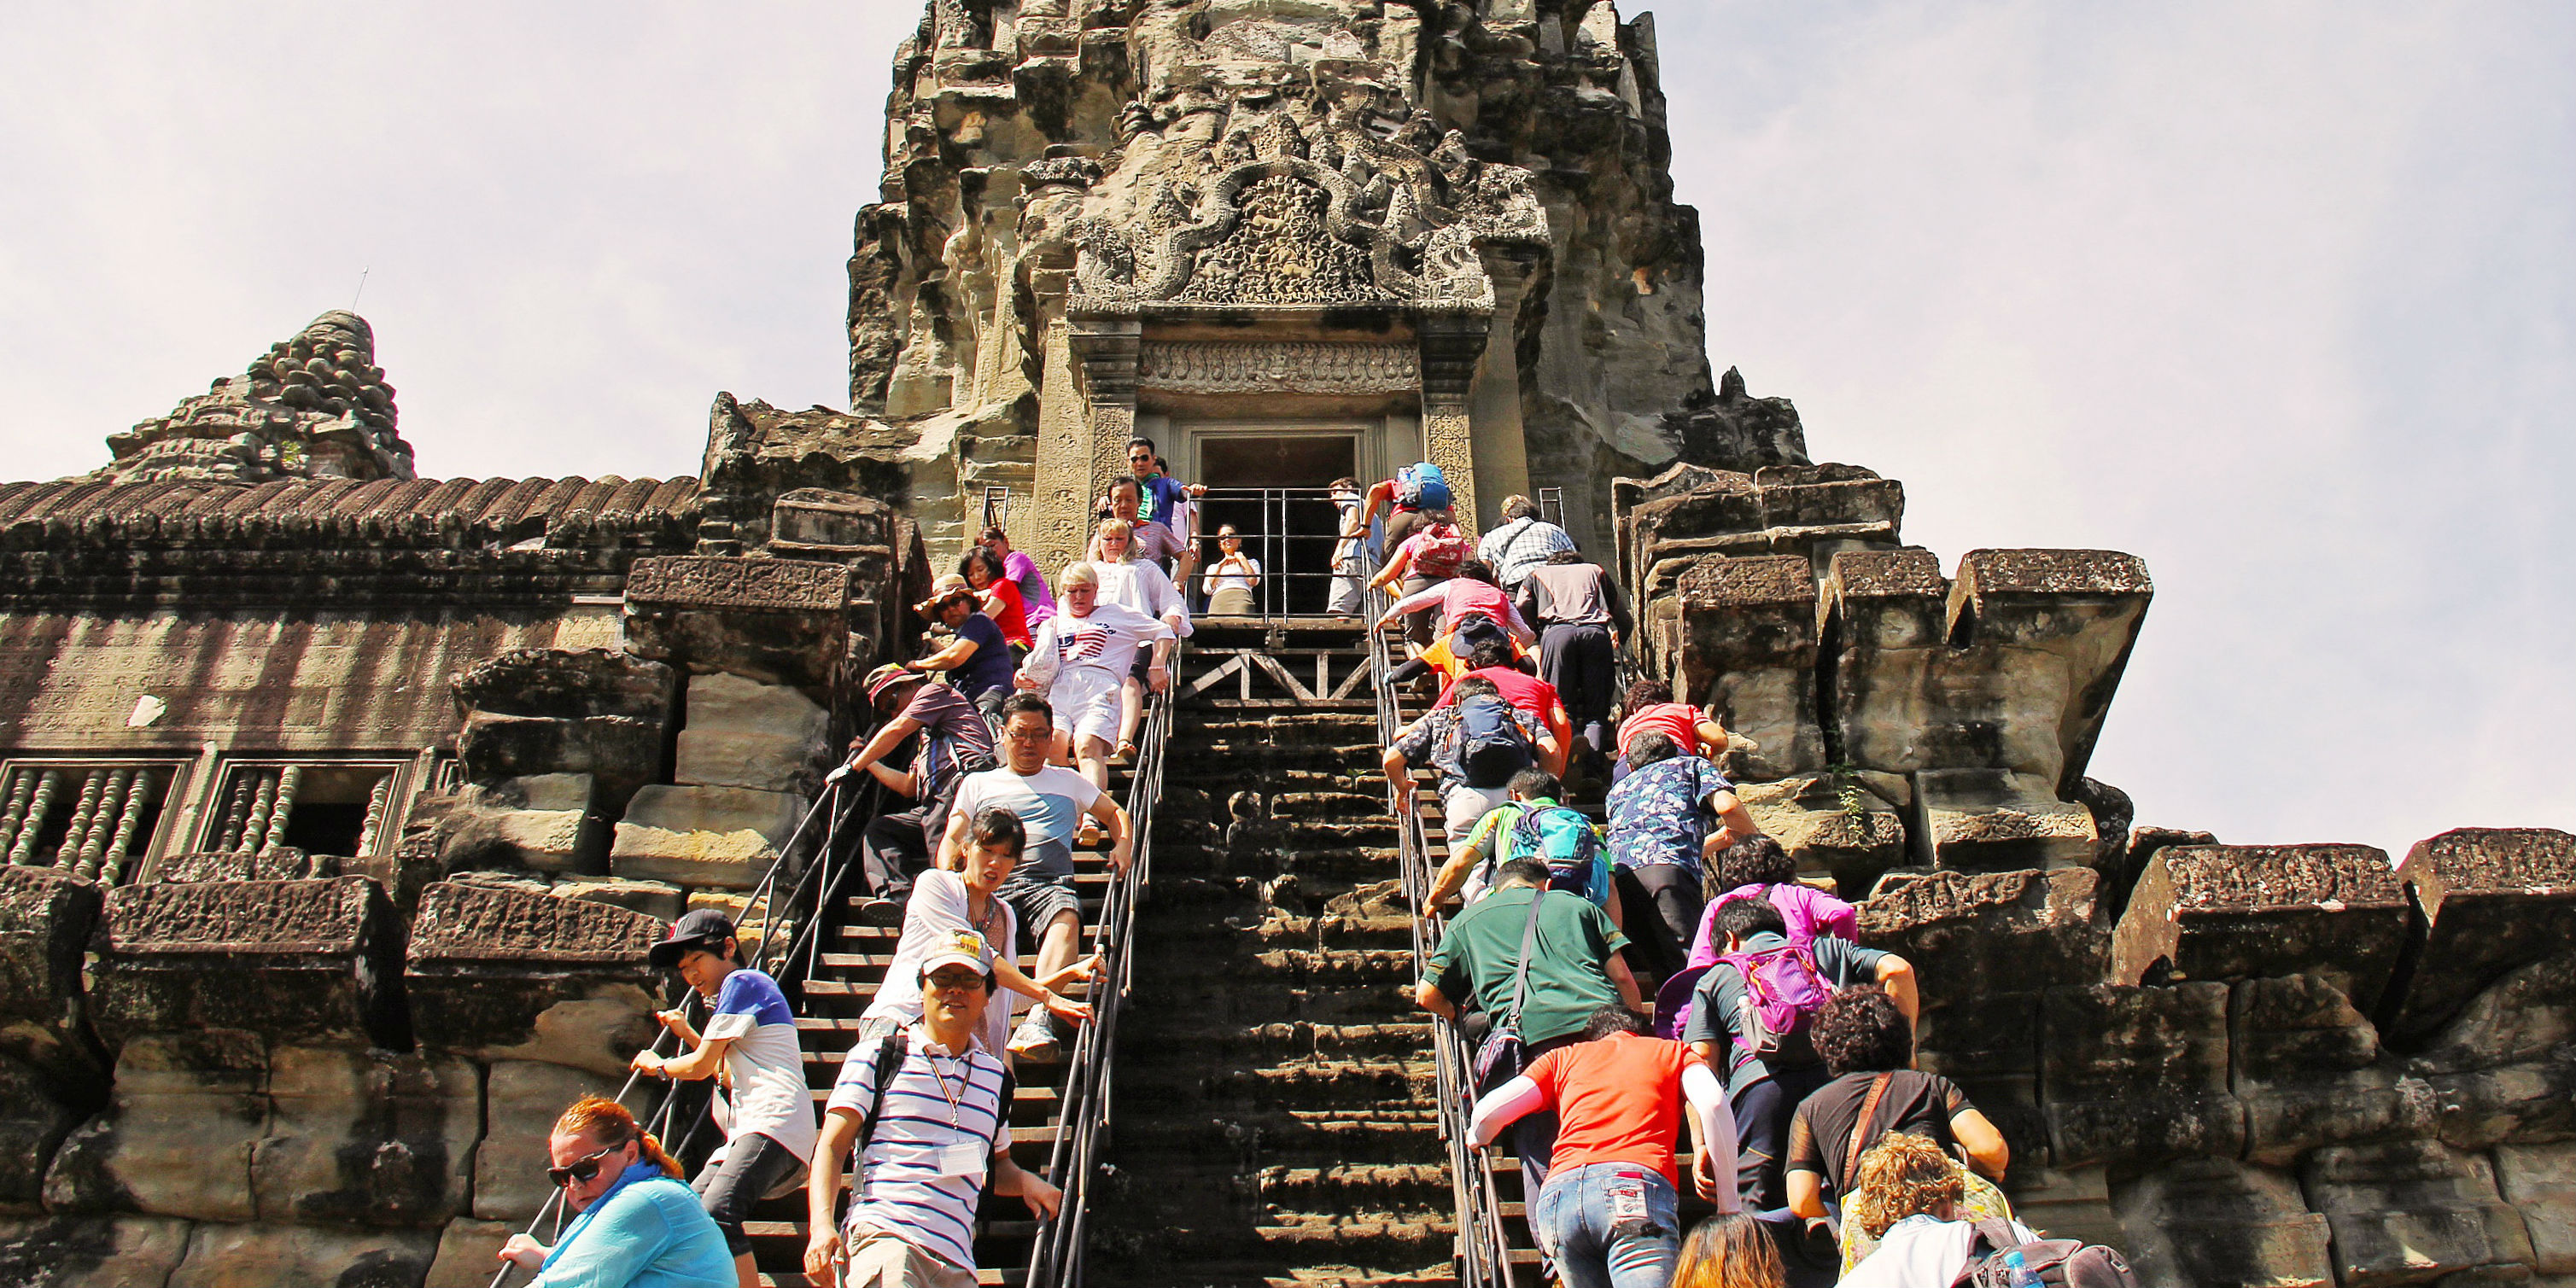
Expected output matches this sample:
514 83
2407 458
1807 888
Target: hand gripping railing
1056 1259
806 915
1484 1254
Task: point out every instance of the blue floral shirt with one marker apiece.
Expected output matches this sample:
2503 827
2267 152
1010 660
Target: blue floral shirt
1655 812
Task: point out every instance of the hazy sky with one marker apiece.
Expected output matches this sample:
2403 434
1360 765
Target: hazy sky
2280 296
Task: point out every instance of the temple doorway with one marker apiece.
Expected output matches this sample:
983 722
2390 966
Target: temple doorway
1272 485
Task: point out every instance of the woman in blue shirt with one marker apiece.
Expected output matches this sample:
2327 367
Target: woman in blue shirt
639 1226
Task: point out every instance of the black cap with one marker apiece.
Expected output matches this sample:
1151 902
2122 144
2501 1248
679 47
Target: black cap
698 928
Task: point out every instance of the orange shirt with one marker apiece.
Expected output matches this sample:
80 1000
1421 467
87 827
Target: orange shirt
1618 1100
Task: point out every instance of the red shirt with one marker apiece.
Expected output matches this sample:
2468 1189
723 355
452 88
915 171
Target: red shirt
1527 693
1013 619
1618 1100
1678 721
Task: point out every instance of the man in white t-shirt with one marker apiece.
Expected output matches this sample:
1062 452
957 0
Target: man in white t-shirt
768 1119
944 903
1079 659
1050 800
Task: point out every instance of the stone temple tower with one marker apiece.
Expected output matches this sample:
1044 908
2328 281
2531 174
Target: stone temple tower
1287 240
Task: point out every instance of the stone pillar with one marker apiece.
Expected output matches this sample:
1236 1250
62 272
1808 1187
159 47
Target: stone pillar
1501 446
1076 459
1451 346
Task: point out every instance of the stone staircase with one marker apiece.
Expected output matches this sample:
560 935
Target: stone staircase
1275 1121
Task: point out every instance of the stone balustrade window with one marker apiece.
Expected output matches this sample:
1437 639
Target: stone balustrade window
93 818
335 807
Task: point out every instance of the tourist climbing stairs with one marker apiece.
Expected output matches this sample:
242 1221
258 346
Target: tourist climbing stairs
1279 1116
1496 1248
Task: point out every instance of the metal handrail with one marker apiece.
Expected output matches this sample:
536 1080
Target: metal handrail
1271 544
810 924
1484 1254
1057 1254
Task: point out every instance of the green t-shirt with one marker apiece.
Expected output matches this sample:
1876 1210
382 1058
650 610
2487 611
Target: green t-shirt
1568 978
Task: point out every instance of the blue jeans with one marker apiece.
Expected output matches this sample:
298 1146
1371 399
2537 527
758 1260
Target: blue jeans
1578 1221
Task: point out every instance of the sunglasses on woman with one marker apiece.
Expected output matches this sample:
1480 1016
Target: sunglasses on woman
580 1169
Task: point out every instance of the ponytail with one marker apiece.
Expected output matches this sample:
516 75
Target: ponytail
608 1122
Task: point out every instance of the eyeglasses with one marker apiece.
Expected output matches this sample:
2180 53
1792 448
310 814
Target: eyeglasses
581 1169
956 983
1016 735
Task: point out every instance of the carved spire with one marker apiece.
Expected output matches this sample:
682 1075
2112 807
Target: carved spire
313 406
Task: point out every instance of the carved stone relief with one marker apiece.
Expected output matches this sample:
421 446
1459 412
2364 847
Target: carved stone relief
1226 367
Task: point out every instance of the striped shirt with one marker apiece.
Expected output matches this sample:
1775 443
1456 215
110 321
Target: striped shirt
900 1185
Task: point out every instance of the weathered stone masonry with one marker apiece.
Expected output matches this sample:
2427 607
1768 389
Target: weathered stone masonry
338 803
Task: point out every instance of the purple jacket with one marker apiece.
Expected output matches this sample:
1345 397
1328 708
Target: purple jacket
1809 912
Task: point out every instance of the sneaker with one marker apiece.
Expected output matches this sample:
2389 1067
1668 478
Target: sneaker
1034 1042
884 914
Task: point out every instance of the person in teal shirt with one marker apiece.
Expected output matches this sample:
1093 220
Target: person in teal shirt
639 1226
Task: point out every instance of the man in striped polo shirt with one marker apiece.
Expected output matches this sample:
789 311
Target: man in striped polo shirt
940 1126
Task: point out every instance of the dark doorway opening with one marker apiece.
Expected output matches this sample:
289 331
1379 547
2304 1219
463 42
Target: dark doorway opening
1275 491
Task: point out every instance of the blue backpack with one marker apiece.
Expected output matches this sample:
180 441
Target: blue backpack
1565 840
1421 486
1490 746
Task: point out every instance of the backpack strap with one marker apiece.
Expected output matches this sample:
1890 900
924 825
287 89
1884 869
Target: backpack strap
890 1057
1997 1234
1860 1132
1520 970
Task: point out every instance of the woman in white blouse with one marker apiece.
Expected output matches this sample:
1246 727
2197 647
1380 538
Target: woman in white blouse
1229 582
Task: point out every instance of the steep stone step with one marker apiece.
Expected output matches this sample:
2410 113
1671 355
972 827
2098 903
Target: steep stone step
1271 1025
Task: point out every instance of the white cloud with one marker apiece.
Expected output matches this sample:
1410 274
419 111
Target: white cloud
2280 296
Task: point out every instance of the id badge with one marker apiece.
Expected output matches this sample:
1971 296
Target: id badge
967 1159
1627 1200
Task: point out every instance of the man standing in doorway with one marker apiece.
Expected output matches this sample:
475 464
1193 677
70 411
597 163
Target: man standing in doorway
1166 499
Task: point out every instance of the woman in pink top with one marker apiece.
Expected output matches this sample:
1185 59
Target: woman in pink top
1037 603
1471 591
1755 868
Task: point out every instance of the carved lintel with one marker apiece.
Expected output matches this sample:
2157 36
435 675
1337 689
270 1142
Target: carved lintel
761 585
1228 367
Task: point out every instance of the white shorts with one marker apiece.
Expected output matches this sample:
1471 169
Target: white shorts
1085 703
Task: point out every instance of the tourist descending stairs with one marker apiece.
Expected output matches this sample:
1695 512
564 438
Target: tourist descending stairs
1278 1115
839 973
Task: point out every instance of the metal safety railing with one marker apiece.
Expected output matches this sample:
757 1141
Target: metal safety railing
1056 1259
1483 1254
840 802
1293 536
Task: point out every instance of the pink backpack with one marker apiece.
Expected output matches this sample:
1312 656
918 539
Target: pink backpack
1442 551
1782 992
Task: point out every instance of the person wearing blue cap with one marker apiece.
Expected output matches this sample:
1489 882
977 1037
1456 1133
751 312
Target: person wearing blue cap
768 1119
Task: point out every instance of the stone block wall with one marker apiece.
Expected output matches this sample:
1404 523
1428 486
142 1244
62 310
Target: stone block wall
288 1097
2204 1083
1888 716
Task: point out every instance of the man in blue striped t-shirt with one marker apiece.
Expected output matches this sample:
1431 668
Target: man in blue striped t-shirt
943 1126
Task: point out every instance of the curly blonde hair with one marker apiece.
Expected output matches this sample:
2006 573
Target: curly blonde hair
1903 1175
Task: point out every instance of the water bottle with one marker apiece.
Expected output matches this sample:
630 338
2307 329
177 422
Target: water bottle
2018 1273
